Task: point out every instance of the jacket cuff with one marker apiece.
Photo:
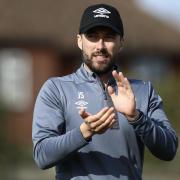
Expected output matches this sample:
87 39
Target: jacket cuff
81 138
138 120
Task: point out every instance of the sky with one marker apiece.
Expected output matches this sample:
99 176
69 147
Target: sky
165 10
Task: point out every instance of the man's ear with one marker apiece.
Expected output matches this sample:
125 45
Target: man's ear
79 41
121 44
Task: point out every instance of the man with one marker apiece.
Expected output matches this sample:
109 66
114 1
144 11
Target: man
95 123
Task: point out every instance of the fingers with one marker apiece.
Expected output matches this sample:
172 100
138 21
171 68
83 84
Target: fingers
111 123
118 77
101 113
88 118
126 82
105 124
98 118
121 80
111 91
106 116
83 113
99 122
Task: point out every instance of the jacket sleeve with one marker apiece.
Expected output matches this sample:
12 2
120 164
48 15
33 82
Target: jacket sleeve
154 129
51 143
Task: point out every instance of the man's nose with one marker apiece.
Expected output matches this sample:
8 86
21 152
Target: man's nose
100 44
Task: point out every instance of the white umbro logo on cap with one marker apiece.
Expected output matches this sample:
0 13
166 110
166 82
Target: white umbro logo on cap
101 12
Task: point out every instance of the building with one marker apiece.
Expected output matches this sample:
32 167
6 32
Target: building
38 40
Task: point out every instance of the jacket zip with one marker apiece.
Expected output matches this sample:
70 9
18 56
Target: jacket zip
108 101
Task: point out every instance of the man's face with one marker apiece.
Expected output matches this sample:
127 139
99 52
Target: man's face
100 47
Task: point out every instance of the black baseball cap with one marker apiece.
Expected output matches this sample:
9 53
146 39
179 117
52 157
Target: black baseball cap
101 15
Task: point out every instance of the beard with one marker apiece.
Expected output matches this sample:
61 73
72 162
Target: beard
101 68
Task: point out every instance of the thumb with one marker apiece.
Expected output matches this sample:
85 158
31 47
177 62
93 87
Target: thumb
111 91
83 113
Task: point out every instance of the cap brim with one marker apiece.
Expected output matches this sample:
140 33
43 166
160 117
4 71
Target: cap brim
90 26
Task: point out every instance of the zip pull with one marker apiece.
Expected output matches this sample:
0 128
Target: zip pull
105 95
103 87
109 103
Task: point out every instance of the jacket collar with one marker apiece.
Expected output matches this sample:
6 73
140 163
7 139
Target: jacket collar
85 74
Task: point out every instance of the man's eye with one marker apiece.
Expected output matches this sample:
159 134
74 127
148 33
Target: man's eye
92 37
110 36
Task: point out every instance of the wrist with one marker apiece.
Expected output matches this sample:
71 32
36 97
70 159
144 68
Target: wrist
133 117
86 132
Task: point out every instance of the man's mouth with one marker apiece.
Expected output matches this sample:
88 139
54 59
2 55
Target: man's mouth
101 58
101 54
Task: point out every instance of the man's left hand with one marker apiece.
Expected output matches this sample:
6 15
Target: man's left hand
124 100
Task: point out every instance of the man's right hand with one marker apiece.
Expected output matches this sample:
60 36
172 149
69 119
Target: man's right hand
98 123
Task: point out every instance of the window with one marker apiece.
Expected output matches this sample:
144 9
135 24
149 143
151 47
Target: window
15 79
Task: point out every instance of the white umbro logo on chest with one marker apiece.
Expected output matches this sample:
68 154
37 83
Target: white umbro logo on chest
81 103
